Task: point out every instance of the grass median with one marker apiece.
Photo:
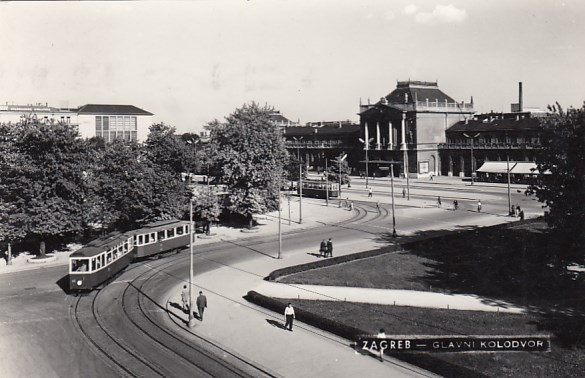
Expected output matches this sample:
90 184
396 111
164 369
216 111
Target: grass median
513 265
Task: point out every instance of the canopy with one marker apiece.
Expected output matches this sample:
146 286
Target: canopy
495 167
525 168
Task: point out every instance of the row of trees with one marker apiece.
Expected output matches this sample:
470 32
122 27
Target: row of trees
56 186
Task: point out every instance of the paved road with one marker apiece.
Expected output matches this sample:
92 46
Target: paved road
39 335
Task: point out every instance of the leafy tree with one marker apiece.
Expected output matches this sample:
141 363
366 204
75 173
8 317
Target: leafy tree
168 150
206 207
41 181
250 154
563 156
133 190
334 171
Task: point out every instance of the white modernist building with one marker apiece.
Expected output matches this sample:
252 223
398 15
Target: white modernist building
107 121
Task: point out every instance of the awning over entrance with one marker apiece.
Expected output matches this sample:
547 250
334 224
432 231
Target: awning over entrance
524 168
516 167
495 167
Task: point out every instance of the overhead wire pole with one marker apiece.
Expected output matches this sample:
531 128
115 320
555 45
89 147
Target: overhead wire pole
326 184
340 159
300 193
509 194
279 222
366 147
471 162
393 210
191 233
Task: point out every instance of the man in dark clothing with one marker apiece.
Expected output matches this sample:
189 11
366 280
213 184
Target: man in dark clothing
330 247
323 248
201 304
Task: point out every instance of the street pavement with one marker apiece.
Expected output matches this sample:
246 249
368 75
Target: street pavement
257 334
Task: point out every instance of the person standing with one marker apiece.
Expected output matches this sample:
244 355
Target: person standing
381 335
330 247
185 298
439 201
323 248
378 206
403 192
478 206
201 304
289 315
521 215
370 193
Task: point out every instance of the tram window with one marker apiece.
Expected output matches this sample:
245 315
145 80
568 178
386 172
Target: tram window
187 229
125 246
93 264
146 238
109 257
81 266
153 236
180 230
171 232
161 235
121 250
140 239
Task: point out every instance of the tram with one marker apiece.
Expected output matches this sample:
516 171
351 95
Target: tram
319 188
103 258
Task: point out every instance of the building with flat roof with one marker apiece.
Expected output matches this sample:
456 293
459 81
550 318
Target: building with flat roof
107 121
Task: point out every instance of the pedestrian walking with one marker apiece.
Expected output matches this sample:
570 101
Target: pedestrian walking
381 335
521 214
185 298
330 247
289 316
439 201
403 192
351 206
378 206
201 304
431 177
478 206
512 211
455 204
323 248
369 192
518 210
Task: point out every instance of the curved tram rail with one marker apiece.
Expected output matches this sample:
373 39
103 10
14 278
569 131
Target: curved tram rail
194 357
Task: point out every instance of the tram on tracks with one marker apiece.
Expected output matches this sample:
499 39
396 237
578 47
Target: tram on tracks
103 258
319 188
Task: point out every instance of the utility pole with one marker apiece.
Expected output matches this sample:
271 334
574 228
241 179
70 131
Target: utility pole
279 222
300 193
509 194
326 184
392 191
366 147
191 233
471 138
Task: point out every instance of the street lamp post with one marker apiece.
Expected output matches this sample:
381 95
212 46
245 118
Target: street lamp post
366 147
300 193
298 147
191 233
471 138
326 185
509 194
340 159
279 229
392 191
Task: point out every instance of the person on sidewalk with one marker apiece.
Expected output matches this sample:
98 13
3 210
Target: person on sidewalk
478 206
381 335
323 248
330 247
370 193
378 206
289 315
455 204
201 304
185 298
521 214
403 192
439 201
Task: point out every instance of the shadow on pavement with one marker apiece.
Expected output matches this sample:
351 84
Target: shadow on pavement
276 324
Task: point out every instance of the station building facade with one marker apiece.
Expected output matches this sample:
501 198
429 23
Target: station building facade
408 126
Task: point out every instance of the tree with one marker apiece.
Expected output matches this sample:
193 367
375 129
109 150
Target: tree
563 156
41 181
206 207
249 155
334 168
168 150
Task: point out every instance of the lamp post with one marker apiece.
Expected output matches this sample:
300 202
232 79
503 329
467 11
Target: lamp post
298 147
366 147
300 193
279 229
326 185
509 194
392 191
192 232
340 159
471 138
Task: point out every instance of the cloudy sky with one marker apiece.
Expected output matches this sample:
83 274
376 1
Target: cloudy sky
190 62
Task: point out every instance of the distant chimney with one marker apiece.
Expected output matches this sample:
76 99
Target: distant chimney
520 104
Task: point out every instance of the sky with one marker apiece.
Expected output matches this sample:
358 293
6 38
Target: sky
190 62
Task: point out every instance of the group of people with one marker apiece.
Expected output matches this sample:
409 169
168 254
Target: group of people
201 302
326 248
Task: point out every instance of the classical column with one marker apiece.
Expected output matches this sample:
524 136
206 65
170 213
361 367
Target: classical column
390 135
378 145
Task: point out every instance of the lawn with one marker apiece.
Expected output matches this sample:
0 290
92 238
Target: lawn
515 265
